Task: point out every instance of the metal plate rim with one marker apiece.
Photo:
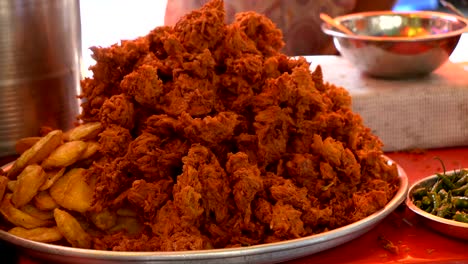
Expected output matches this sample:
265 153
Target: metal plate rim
328 239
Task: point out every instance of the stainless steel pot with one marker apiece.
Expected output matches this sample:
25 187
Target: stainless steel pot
40 57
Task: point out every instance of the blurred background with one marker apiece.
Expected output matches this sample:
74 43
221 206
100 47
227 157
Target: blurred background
106 22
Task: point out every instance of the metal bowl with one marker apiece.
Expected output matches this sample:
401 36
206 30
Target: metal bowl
444 226
264 253
392 44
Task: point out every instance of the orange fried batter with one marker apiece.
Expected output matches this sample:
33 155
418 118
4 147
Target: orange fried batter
215 139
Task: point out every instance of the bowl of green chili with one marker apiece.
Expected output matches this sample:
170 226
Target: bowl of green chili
442 200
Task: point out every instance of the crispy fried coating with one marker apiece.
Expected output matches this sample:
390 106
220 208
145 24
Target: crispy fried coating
212 138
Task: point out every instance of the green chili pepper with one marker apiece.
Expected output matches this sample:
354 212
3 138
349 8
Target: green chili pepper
442 194
462 181
426 201
419 193
460 202
446 181
444 210
460 190
435 201
461 217
437 186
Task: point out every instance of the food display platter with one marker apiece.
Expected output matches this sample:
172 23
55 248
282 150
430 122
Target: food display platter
264 253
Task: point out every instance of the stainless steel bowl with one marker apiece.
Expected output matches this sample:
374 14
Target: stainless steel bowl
445 226
392 44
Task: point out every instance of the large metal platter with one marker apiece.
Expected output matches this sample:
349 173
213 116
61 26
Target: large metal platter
265 253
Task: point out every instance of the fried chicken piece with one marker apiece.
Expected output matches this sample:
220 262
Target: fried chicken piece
259 28
114 141
263 210
272 127
143 153
116 61
246 182
162 125
295 90
192 95
204 183
118 110
112 64
289 193
286 221
302 168
175 235
150 196
235 44
203 28
209 130
153 159
143 85
248 144
141 243
201 65
368 203
112 180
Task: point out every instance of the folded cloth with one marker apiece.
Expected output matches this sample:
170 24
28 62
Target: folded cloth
420 113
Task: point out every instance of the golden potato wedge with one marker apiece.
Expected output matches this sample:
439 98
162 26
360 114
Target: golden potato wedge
37 153
71 229
88 131
72 191
52 177
3 186
43 201
11 185
65 155
39 234
125 211
18 217
130 225
104 219
26 143
35 212
92 148
27 185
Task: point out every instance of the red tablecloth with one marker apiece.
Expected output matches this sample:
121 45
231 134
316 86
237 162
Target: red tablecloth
415 242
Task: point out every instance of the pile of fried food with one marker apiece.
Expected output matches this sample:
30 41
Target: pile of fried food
199 136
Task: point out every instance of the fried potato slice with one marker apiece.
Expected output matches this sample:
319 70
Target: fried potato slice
3 186
43 201
18 217
35 212
88 131
65 155
131 225
27 185
37 153
125 211
24 144
71 229
92 148
72 191
52 177
104 219
39 234
11 185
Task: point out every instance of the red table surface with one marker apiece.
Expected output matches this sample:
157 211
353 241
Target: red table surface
415 242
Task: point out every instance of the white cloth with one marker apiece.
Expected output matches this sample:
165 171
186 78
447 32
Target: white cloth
423 113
